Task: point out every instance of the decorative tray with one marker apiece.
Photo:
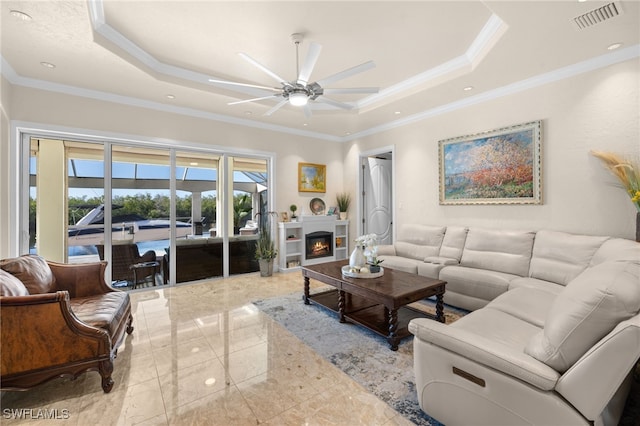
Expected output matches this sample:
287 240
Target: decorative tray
347 273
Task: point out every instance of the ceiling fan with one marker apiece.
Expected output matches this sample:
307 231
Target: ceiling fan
299 92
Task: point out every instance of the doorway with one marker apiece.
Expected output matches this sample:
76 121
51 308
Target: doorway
377 179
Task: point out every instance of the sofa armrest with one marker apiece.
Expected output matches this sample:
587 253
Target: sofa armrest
39 331
486 352
386 250
80 279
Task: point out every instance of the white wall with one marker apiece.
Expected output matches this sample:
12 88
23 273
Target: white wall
598 110
5 167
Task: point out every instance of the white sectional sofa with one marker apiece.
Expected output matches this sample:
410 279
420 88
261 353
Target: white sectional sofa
554 332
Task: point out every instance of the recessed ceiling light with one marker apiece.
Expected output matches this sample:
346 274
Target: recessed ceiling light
248 113
347 133
468 88
614 46
397 113
20 15
47 64
171 97
305 124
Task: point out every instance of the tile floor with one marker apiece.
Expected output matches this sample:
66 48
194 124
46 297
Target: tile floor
203 354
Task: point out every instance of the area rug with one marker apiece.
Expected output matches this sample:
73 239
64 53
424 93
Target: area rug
360 353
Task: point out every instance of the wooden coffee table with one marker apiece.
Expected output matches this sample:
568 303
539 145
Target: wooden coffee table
378 304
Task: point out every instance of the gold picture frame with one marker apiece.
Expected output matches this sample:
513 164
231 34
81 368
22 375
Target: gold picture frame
502 166
312 177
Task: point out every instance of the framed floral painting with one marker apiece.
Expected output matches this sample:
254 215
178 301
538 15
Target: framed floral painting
312 177
502 166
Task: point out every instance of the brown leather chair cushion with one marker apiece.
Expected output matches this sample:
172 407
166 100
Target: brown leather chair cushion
104 311
33 271
11 286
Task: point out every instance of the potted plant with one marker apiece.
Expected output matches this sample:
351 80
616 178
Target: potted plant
265 246
343 200
293 209
241 208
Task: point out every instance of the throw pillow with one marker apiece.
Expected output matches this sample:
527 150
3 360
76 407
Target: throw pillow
585 311
33 271
11 286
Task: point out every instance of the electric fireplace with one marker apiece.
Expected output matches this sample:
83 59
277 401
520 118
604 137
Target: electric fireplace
318 244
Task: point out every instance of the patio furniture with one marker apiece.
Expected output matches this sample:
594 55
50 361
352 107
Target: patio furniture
123 259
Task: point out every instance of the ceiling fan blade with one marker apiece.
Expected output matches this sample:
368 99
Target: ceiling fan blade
255 86
331 102
351 90
265 69
307 68
277 107
253 100
346 73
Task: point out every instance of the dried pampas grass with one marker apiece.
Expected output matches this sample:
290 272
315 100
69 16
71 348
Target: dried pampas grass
627 172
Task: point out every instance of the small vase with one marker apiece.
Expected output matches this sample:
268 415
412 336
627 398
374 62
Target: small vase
357 259
374 269
343 215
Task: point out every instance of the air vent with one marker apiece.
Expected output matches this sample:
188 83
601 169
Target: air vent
598 15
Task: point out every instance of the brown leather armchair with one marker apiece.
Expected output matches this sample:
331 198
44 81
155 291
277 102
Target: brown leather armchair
58 320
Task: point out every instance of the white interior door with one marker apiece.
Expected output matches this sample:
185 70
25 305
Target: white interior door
377 199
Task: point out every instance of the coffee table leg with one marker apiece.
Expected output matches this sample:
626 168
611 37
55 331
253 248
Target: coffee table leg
439 308
341 306
305 297
392 338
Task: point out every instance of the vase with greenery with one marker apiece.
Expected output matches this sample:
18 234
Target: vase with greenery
293 209
343 200
265 246
628 173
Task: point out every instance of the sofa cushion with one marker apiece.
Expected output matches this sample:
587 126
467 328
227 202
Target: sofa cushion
590 307
453 242
497 326
33 271
559 257
105 311
617 249
496 250
419 241
401 263
548 286
525 303
479 283
10 285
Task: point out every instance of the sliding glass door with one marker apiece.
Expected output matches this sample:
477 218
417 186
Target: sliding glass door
158 215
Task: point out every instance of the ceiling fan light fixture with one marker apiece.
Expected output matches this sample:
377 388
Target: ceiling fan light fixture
298 98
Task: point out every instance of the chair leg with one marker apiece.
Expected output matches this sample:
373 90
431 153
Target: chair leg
106 369
130 325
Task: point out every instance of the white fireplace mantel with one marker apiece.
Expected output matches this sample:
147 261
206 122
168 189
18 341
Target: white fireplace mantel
292 240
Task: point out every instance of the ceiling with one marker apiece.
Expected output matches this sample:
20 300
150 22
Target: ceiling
426 53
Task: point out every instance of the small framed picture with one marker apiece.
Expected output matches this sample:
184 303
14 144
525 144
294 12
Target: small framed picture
312 177
332 211
284 217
